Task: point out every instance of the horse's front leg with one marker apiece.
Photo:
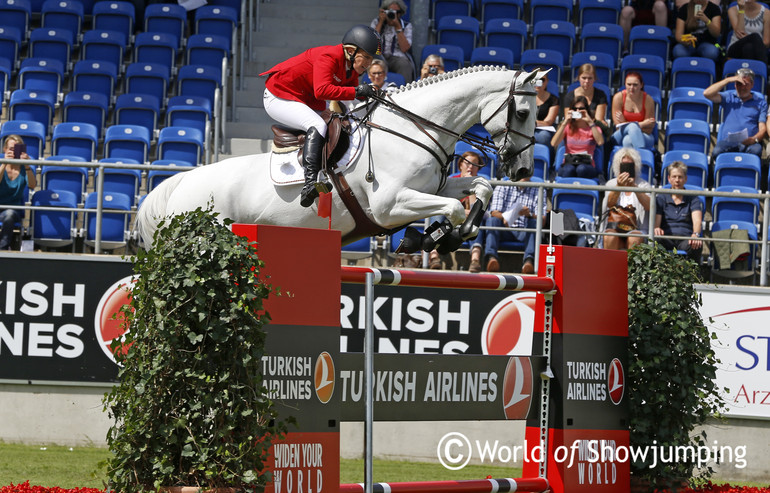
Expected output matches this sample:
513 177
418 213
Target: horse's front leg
462 187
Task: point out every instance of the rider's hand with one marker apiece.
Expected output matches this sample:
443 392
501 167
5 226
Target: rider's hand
365 91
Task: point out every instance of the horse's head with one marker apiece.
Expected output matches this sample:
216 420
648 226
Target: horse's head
513 125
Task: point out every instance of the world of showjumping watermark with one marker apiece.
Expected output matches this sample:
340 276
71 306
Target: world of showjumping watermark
455 451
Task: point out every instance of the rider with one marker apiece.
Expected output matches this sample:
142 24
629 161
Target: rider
296 92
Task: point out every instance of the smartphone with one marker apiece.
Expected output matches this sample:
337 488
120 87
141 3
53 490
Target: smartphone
629 168
697 8
18 149
577 115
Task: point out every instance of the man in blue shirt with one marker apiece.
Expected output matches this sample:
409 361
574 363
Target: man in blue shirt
743 110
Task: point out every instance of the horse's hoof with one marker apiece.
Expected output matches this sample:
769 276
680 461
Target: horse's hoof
411 242
450 243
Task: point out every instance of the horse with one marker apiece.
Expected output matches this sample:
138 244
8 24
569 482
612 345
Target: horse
398 175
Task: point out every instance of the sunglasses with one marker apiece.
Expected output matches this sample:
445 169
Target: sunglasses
579 108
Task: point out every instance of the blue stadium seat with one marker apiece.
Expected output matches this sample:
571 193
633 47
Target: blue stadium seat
75 139
33 133
148 78
602 62
462 31
735 208
550 10
95 77
114 224
127 142
688 135
10 44
181 144
450 8
651 67
555 35
196 80
737 169
64 14
532 59
485 55
452 55
189 111
603 11
697 167
501 9
5 78
155 47
54 228
602 38
42 74
105 46
36 106
507 33
650 40
166 18
115 16
206 49
86 107
155 176
124 181
51 43
689 103
750 228
138 109
16 13
760 72
584 202
217 20
693 72
72 179
542 158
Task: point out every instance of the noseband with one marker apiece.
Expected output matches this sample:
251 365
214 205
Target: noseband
510 104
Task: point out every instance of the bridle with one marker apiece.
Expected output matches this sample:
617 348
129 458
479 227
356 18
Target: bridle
423 124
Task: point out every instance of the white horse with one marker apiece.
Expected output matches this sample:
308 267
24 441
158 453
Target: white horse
407 181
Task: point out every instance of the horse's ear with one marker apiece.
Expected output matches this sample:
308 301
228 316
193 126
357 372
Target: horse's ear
536 74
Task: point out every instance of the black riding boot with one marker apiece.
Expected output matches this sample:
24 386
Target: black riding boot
311 161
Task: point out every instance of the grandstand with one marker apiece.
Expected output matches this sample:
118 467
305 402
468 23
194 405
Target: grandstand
121 99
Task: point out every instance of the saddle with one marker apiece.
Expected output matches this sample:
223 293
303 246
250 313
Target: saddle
337 141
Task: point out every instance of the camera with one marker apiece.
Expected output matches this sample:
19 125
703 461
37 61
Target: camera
18 150
391 14
629 168
433 70
577 115
539 83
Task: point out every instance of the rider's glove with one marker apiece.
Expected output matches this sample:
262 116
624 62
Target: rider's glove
365 91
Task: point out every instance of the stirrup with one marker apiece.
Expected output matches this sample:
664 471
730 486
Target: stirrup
322 184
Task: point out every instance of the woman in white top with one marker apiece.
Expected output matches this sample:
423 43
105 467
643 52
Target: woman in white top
750 22
626 157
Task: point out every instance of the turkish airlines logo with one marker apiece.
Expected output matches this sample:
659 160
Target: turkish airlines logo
616 381
517 388
108 321
510 325
324 377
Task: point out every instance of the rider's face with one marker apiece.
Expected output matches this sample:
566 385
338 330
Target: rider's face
361 62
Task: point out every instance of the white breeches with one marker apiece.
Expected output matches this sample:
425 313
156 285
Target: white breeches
293 113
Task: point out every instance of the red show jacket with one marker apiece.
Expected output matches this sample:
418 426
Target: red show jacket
313 77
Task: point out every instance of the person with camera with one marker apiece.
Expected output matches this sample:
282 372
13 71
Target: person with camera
632 218
581 135
14 178
396 36
633 113
697 31
433 65
297 91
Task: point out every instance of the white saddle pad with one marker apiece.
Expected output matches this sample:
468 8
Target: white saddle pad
285 168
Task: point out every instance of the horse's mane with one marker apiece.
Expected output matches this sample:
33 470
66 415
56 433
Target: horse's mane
448 75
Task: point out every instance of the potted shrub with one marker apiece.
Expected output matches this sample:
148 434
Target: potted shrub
671 363
190 408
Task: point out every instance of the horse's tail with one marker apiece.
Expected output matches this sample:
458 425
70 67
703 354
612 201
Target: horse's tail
153 209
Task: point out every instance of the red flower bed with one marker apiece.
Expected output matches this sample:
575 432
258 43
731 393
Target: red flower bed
26 488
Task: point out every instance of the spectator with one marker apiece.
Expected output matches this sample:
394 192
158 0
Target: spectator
633 113
698 27
597 99
14 178
750 22
547 111
581 135
378 74
396 36
642 12
679 215
627 168
745 114
433 65
523 202
468 164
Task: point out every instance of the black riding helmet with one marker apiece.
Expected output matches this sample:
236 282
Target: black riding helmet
364 38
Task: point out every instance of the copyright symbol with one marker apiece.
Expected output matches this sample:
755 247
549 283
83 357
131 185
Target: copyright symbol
454 451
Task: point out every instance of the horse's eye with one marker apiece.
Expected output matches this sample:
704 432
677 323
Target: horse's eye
522 114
